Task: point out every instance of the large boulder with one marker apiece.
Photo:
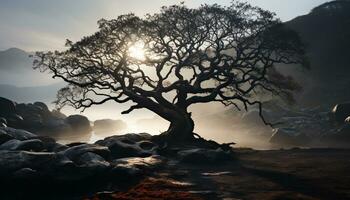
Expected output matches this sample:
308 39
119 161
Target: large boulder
75 152
14 164
18 133
43 106
26 145
33 115
11 161
28 110
107 126
340 112
14 120
33 122
7 107
93 162
79 123
134 167
129 145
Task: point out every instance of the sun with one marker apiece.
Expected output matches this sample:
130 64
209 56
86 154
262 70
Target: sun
137 51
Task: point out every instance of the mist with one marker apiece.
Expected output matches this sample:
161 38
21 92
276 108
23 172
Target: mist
213 121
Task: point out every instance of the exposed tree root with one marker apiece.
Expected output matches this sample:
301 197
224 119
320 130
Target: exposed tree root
196 141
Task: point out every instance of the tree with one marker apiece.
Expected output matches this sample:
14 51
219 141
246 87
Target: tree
209 54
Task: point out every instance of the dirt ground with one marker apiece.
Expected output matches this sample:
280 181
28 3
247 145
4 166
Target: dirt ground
254 175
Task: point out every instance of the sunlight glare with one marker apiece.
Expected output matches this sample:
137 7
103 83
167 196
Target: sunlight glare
137 51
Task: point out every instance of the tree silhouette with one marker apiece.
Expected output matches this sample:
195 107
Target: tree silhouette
209 54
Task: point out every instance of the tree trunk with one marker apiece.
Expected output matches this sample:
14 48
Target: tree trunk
181 128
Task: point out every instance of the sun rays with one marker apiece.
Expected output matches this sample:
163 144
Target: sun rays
137 51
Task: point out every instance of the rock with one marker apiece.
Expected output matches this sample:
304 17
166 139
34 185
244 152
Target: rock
3 120
73 144
203 156
51 145
130 138
79 123
55 147
341 112
347 120
26 145
7 107
4 137
25 173
89 157
94 162
125 172
18 133
135 166
147 145
11 161
85 165
14 120
30 109
33 122
127 145
34 114
146 163
57 114
43 106
75 152
31 145
285 136
10 145
50 165
60 163
106 126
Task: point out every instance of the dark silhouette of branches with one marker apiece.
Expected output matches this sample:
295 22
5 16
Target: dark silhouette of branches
209 54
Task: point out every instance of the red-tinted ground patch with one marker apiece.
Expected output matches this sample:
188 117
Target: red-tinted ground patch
153 189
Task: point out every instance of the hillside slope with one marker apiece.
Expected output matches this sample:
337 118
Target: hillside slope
326 33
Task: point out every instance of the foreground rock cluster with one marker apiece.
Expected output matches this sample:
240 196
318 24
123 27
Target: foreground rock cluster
24 155
27 156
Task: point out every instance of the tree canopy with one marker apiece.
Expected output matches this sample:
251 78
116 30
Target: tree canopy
208 54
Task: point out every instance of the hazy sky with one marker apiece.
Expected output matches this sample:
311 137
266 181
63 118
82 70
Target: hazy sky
45 24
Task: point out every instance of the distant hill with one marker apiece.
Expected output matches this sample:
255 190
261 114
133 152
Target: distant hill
14 59
326 33
16 69
45 94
